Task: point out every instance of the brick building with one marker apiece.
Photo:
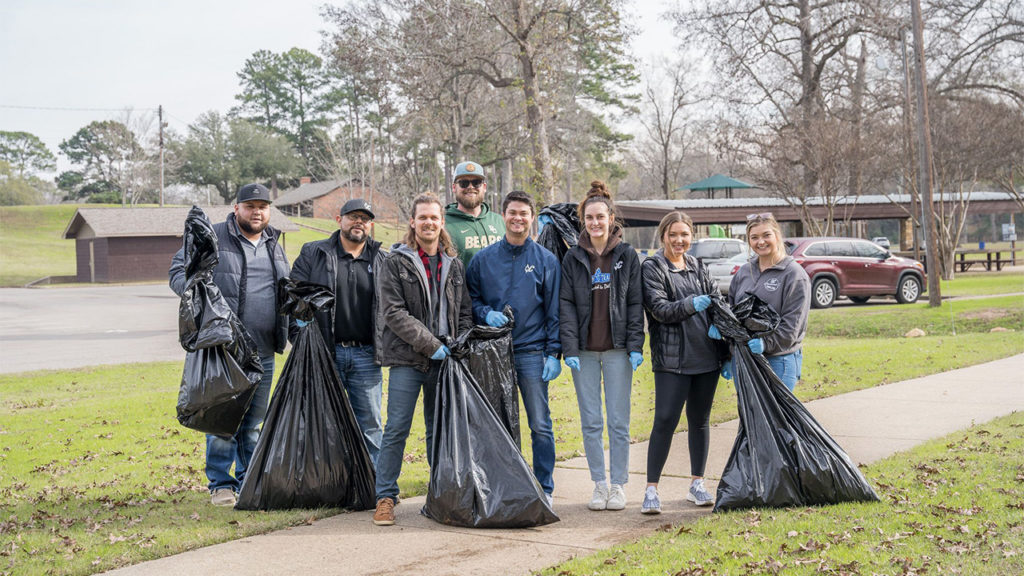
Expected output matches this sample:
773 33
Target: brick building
325 199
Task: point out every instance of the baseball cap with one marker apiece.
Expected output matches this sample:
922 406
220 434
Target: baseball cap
468 169
357 205
253 192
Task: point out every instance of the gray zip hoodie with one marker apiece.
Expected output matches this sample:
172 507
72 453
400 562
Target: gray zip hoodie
787 289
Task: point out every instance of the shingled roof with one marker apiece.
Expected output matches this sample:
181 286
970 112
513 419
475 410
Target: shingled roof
151 221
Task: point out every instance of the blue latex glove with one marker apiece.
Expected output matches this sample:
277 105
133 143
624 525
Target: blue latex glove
727 370
496 319
573 362
301 323
542 221
635 360
701 303
713 333
756 345
552 368
441 353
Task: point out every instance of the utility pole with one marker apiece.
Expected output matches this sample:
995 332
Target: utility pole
924 174
160 120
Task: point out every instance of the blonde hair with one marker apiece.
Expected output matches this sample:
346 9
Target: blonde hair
598 193
446 243
770 221
670 219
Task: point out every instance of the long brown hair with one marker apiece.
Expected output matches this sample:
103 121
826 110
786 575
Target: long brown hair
598 193
447 245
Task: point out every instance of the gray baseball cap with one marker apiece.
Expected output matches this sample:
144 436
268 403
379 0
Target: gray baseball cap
468 169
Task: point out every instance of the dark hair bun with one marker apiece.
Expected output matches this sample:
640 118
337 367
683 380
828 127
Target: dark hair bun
597 188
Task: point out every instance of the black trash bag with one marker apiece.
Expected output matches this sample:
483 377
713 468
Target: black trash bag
479 478
782 455
564 231
490 359
310 452
222 367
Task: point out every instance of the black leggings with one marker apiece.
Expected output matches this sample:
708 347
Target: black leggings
671 391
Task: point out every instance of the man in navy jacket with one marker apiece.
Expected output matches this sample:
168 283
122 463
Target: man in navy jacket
518 272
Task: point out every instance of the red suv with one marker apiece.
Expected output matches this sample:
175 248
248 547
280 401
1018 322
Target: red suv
855 268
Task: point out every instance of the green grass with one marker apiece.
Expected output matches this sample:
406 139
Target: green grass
983 283
972 315
950 506
31 243
322 228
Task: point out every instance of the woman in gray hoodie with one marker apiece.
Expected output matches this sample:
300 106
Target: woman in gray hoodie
780 281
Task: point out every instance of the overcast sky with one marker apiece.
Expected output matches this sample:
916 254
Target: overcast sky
65 63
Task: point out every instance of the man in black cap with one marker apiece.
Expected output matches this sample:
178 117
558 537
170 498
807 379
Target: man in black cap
251 261
346 262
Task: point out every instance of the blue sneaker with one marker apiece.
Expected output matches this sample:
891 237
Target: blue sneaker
652 504
699 495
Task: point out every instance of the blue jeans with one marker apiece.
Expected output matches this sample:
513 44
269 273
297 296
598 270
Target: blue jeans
787 367
529 369
404 383
617 374
365 385
222 452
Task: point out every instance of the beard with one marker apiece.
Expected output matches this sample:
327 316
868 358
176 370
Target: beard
470 202
248 228
352 235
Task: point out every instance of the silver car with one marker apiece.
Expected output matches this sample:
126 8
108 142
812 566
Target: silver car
722 272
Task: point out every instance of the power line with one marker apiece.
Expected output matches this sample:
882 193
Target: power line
70 109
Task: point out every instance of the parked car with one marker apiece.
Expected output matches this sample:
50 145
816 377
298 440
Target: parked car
711 250
857 269
881 241
722 272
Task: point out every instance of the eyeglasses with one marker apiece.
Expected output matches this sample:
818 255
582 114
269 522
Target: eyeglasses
475 183
761 216
358 217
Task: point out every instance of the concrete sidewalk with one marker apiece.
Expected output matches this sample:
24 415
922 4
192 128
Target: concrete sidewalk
870 424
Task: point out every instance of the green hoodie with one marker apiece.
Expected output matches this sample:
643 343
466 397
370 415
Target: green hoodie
471 234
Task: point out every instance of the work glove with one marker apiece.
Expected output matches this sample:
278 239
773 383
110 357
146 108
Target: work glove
727 370
701 303
301 323
573 362
496 319
441 353
713 333
542 221
552 368
635 360
756 345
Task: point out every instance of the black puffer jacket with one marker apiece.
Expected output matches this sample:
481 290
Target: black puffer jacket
229 275
318 263
625 297
407 335
671 318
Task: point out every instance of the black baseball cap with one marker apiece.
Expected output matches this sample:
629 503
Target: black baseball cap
253 192
357 205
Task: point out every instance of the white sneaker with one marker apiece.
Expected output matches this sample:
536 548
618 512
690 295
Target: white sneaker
617 498
599 501
223 497
699 495
652 504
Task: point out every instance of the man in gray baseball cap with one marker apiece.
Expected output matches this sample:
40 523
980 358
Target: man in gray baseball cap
469 219
347 262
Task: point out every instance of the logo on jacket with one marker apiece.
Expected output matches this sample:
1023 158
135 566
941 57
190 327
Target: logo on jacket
618 265
771 284
492 229
600 277
369 268
528 269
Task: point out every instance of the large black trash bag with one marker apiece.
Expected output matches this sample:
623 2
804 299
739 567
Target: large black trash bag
310 452
564 231
490 360
782 456
479 479
222 367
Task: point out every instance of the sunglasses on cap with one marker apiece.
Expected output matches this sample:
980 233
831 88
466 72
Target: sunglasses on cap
761 216
475 183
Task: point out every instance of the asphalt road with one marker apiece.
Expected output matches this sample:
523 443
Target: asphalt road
71 327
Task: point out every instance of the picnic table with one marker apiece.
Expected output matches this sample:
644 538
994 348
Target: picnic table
993 257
